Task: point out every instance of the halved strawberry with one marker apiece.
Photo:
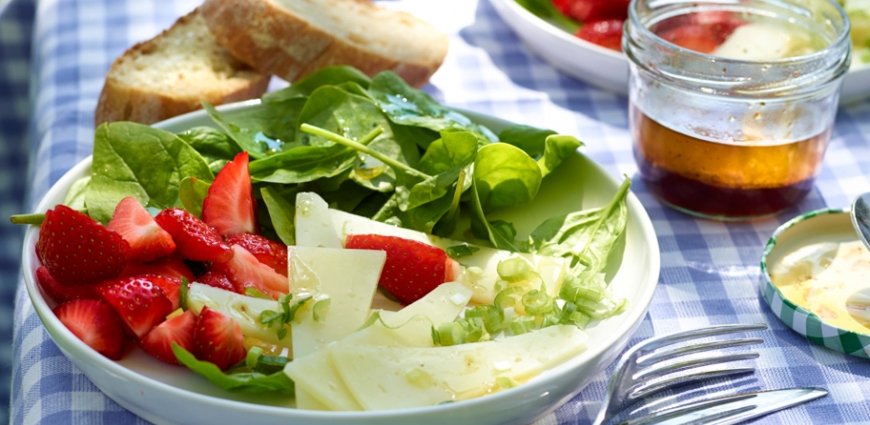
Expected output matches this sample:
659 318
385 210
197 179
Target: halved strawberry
60 293
95 323
413 269
607 33
169 286
194 239
147 240
178 329
171 267
693 37
244 271
229 206
139 301
270 253
77 250
218 280
217 338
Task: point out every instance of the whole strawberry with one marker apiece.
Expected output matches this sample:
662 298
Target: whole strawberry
413 269
77 250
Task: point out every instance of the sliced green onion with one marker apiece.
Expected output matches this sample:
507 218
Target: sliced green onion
450 333
522 325
507 297
291 313
537 302
282 333
587 286
514 269
504 382
320 309
492 316
254 292
268 317
253 356
474 329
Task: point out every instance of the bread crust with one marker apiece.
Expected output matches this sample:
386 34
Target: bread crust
120 101
276 41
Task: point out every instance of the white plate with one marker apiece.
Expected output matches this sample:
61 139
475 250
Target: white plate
172 395
606 68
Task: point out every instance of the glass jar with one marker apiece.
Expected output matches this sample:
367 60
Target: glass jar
729 120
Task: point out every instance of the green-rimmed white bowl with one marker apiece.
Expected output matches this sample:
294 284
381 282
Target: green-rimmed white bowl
826 225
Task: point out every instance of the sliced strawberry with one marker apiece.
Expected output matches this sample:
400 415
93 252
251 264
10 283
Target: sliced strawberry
594 10
179 330
721 23
60 293
169 286
603 33
171 267
147 240
95 323
412 270
194 239
218 280
245 271
699 38
77 250
229 206
217 338
139 301
270 253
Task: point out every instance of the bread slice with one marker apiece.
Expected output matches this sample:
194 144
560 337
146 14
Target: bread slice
293 38
171 74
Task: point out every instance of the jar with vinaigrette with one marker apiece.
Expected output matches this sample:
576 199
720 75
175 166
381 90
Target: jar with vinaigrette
731 102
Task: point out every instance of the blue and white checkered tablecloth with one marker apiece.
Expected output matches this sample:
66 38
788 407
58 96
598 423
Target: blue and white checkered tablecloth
709 269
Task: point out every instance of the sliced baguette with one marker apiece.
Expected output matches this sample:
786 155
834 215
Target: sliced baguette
293 38
173 73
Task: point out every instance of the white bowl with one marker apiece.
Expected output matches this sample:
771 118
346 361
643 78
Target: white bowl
605 68
166 394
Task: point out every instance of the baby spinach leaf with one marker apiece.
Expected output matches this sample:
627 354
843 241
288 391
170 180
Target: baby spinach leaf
329 76
545 10
144 162
192 192
505 176
282 212
500 236
302 164
215 146
245 382
557 148
444 160
262 130
408 106
75 196
545 146
586 236
458 251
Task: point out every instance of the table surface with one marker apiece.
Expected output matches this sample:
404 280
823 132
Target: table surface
709 269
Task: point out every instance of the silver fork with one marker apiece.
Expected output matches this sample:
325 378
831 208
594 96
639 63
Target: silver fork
641 372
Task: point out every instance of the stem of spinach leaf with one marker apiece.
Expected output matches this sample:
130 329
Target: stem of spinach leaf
454 206
337 138
605 214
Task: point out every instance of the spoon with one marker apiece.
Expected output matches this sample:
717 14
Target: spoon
861 217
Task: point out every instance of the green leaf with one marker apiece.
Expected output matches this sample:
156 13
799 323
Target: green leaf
544 146
75 196
406 105
215 147
458 251
283 214
545 10
505 176
302 164
262 130
245 382
445 158
331 75
192 192
498 236
586 236
144 162
557 149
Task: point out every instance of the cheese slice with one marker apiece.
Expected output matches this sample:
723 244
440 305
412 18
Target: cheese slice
479 269
383 378
316 377
244 310
313 223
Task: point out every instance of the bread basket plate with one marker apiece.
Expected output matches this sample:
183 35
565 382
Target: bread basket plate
827 225
165 394
605 68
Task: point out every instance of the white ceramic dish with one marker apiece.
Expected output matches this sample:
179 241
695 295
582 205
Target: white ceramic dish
166 394
605 68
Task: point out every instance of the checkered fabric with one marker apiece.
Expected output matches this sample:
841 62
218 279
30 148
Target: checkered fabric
709 270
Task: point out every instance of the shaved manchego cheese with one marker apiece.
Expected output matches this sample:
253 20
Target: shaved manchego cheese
244 310
313 224
382 378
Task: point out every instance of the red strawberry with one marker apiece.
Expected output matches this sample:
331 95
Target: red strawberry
139 301
721 23
603 33
179 330
95 323
244 271
60 293
77 250
169 286
229 206
413 269
147 240
217 338
270 253
593 10
699 38
171 267
218 280
195 239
